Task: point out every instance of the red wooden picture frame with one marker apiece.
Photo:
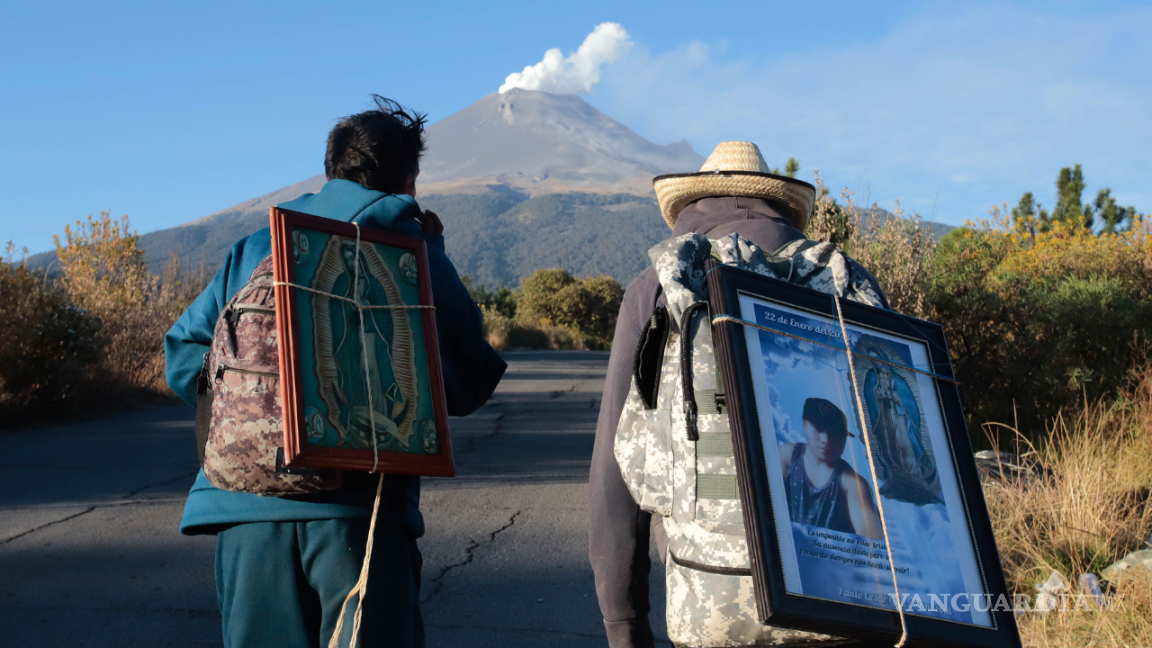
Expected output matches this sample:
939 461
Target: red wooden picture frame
297 451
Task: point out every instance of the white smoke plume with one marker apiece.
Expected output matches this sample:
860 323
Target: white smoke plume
580 70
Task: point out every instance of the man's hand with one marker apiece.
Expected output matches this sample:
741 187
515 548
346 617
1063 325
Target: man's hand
431 224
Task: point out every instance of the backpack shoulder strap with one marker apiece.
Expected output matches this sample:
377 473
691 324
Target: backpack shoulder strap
679 266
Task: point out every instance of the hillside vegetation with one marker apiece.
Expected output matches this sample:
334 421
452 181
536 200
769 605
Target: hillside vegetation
496 237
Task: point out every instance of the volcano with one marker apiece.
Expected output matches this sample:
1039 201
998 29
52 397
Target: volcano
523 142
522 180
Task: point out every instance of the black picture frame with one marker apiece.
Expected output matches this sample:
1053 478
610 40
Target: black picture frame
776 604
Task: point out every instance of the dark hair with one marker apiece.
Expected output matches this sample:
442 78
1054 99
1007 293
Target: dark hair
823 415
377 148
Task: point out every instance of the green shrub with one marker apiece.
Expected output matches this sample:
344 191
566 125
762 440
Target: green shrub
588 306
1039 321
502 300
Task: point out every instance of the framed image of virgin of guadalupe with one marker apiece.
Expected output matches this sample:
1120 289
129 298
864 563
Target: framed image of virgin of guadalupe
359 363
855 469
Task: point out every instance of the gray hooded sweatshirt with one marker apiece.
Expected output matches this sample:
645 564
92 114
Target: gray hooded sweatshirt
619 530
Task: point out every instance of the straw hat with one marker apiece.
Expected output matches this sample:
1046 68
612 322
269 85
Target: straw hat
735 169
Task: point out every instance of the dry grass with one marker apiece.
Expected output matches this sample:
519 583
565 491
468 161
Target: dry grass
526 332
1089 512
89 340
103 271
897 250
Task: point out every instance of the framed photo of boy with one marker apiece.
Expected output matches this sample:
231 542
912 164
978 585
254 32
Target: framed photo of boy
360 368
815 508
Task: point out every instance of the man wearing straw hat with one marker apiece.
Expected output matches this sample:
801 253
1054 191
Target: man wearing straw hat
733 192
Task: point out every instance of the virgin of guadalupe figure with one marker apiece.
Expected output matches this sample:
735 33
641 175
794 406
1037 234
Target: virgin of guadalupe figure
894 417
365 360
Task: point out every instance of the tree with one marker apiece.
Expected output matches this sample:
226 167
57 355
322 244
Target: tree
587 306
502 300
1103 212
1029 215
102 267
1069 189
1113 217
790 169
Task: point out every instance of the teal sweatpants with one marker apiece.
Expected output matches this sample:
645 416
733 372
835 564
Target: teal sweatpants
280 584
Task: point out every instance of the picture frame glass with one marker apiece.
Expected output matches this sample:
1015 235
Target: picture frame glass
354 367
823 504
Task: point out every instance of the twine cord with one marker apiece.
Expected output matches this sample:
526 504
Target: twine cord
872 469
353 301
728 318
360 308
364 353
361 587
863 425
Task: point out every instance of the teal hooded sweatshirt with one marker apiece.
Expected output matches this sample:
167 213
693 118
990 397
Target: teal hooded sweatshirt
471 368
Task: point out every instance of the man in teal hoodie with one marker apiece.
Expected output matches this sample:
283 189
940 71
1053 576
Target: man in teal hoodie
284 565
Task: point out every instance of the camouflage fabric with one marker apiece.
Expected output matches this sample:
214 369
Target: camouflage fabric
691 483
643 438
819 266
246 428
679 265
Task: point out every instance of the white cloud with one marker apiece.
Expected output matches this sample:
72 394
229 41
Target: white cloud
580 71
971 105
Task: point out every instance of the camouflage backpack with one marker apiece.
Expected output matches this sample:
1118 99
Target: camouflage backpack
239 417
674 445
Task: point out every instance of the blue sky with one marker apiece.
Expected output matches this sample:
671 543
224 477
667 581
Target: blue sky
170 111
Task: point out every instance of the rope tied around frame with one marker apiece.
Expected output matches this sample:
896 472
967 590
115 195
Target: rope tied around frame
360 589
728 318
863 426
360 308
872 469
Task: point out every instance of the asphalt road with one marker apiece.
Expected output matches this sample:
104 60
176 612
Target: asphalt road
90 554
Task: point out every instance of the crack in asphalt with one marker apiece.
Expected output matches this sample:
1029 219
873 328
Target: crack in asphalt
162 483
90 509
497 428
560 392
45 526
469 556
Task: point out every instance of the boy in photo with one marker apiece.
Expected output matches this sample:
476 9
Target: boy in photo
822 489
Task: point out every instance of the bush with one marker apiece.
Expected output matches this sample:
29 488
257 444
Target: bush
1039 321
502 300
47 345
588 306
898 251
524 332
103 271
91 339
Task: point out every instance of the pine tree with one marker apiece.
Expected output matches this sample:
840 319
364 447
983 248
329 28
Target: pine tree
1069 189
790 169
1114 217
